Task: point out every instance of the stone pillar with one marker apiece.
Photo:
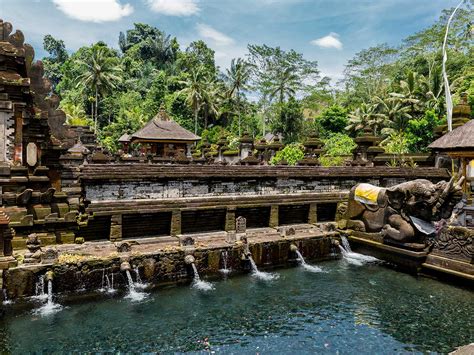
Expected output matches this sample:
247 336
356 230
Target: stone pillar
116 228
6 250
313 213
273 216
188 151
175 223
230 219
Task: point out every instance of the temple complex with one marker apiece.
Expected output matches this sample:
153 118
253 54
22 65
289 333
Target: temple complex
161 199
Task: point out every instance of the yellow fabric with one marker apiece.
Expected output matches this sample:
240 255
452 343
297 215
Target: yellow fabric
367 193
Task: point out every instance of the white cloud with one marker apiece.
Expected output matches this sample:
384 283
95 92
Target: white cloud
210 33
174 7
329 41
94 10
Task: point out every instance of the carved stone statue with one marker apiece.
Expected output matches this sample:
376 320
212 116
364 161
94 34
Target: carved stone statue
403 213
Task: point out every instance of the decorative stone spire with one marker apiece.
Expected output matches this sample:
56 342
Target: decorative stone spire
367 148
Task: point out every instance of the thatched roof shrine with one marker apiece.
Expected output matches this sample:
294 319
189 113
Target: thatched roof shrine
162 129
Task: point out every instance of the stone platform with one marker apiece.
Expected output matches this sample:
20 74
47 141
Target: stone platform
160 261
430 261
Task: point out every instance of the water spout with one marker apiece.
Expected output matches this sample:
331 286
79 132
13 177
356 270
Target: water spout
49 307
5 297
225 256
133 294
39 289
198 283
261 275
107 282
352 257
306 266
133 287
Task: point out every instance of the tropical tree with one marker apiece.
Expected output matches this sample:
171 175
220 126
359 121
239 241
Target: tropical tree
290 120
237 78
363 117
195 91
101 73
394 115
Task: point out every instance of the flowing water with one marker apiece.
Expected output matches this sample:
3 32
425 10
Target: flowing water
346 310
352 257
261 275
40 294
305 265
134 294
107 282
225 256
49 307
200 284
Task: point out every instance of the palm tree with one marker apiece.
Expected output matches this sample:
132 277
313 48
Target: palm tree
101 74
410 92
237 78
393 114
363 117
284 84
195 91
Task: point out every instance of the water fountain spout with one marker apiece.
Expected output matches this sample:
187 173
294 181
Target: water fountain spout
352 257
225 257
189 259
49 275
261 275
197 282
302 262
125 266
49 307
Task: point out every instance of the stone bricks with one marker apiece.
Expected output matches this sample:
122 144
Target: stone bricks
116 227
274 216
175 223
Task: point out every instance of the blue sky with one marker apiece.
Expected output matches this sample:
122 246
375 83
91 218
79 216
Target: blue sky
329 31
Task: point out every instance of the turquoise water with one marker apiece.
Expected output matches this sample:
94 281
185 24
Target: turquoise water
347 309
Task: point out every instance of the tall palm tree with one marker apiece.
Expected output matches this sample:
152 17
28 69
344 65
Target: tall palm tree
195 91
284 84
237 78
101 74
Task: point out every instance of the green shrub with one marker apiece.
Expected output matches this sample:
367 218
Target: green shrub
292 153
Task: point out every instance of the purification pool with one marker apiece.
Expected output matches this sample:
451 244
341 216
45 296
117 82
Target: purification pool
347 309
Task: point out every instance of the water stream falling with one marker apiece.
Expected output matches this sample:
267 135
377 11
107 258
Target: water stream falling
49 307
133 294
261 275
225 257
40 294
107 282
306 266
198 283
5 297
352 257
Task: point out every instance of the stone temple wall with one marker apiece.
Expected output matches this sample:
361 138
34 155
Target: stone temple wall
189 199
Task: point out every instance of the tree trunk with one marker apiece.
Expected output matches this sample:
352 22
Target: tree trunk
96 104
195 121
